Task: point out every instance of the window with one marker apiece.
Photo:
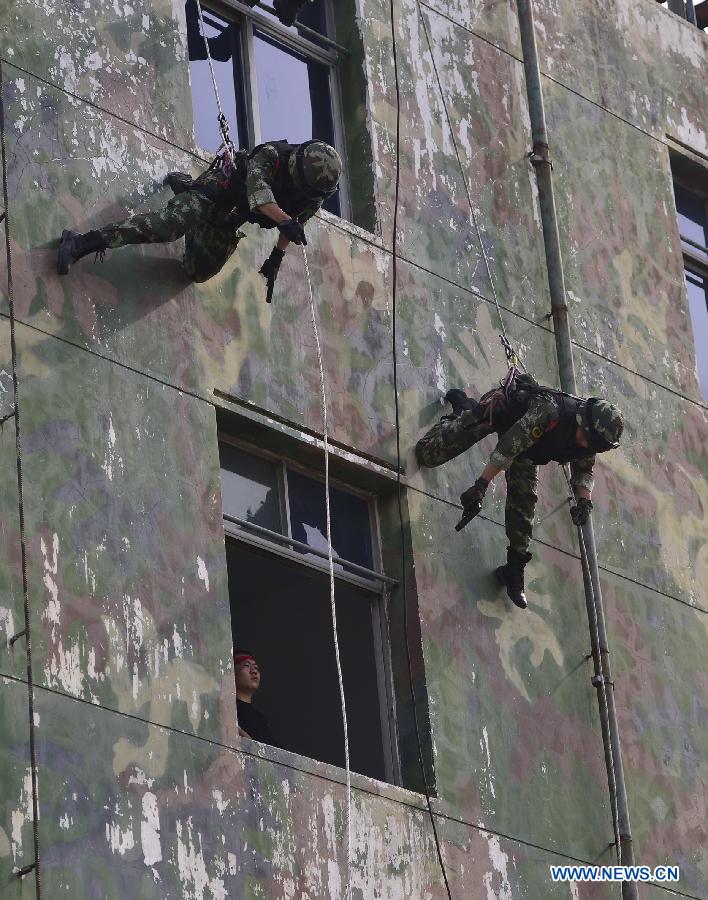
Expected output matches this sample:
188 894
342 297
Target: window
274 82
692 218
276 552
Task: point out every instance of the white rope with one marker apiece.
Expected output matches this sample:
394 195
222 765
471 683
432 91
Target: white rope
603 693
323 398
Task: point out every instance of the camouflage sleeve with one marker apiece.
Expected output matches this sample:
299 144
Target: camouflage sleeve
522 435
260 172
581 473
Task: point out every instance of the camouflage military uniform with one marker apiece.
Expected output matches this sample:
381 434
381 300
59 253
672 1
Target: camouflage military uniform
450 437
210 227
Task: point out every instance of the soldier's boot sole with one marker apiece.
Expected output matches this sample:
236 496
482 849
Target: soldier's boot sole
517 597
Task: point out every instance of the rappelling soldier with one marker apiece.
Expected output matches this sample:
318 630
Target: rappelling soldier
536 425
278 185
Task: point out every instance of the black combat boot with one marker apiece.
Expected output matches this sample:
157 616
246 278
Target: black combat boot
512 576
460 402
74 245
179 182
287 10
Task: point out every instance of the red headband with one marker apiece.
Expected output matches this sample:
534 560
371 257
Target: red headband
241 657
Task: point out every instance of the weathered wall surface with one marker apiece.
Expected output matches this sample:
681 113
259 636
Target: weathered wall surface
144 788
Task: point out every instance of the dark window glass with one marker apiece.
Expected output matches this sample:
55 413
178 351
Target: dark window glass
697 288
225 47
249 488
280 612
351 536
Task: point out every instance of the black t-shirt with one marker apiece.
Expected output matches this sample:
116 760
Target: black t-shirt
253 722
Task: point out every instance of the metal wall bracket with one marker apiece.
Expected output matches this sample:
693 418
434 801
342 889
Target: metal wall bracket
25 870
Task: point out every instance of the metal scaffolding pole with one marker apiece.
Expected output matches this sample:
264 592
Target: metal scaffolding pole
602 678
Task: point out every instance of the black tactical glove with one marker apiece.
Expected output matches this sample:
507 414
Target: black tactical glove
269 270
580 513
471 502
293 231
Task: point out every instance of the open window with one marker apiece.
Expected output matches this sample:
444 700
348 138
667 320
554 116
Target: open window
274 81
691 194
276 551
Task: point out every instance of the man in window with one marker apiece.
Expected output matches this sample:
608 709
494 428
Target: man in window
537 425
251 723
278 185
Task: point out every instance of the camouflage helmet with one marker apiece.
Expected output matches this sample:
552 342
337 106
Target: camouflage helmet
315 168
604 424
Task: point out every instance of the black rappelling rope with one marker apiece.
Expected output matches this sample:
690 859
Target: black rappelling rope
394 285
20 501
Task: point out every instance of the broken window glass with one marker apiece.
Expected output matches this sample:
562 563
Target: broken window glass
349 514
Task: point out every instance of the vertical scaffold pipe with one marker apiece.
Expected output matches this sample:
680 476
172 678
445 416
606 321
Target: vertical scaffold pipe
559 308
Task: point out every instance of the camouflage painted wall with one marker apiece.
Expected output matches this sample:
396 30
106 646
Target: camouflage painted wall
145 789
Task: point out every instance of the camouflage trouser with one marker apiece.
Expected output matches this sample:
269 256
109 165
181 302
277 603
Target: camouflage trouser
521 497
448 439
210 236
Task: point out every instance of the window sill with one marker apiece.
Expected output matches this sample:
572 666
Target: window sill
335 774
369 237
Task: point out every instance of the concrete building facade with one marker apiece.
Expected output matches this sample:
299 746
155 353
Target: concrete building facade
129 376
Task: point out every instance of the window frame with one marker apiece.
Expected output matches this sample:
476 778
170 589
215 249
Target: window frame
379 589
691 175
250 18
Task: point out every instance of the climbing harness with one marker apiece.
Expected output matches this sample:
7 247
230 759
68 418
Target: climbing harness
598 680
330 559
